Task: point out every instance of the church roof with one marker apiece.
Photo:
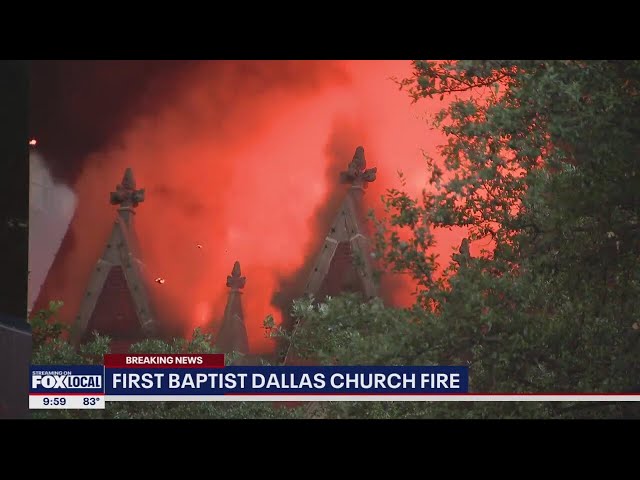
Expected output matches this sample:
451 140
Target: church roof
232 336
116 301
344 261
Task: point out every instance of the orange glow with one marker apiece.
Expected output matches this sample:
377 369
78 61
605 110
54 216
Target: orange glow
242 159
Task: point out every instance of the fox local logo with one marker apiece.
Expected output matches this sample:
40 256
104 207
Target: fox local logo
64 380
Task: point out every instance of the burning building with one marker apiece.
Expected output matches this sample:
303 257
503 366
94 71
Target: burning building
232 334
241 161
344 262
116 301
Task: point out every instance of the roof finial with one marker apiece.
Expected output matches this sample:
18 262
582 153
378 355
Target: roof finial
126 194
235 281
464 253
357 173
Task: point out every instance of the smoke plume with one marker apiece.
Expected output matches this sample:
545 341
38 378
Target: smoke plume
240 161
51 207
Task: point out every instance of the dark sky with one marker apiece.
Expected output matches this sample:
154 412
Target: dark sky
77 106
14 183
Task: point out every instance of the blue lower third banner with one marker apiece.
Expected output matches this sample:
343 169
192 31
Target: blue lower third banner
195 377
279 381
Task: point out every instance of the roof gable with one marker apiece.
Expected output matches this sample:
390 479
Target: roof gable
348 233
232 336
116 298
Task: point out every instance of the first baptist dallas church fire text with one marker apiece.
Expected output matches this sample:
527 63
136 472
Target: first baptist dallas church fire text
232 380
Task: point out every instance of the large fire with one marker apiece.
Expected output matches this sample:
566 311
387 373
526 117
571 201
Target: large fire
243 159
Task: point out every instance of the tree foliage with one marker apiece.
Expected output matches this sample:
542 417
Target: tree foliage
44 324
541 165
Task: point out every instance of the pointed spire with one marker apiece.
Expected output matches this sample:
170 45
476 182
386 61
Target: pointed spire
344 262
232 336
127 196
116 301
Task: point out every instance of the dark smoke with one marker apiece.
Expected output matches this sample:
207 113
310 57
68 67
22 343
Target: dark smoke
79 107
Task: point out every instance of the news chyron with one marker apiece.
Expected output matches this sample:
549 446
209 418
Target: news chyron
206 377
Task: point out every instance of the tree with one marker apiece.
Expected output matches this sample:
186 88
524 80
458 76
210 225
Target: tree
541 162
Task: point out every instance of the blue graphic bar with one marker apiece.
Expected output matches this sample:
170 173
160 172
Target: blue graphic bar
287 380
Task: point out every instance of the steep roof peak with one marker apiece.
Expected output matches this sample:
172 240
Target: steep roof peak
232 336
